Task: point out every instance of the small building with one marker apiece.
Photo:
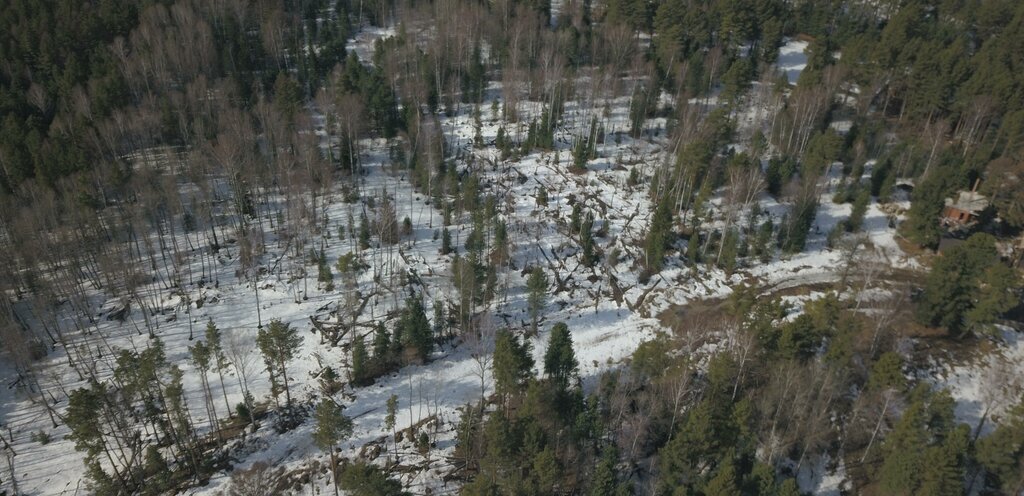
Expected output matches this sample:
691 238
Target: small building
965 209
947 243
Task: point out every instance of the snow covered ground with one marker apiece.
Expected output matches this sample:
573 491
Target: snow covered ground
793 59
985 386
604 331
607 309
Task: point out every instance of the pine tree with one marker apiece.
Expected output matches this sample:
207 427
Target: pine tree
585 148
903 450
512 365
724 483
887 373
332 426
157 472
880 174
634 177
287 96
545 138
99 481
83 419
279 343
440 324
501 142
789 487
179 416
576 217
736 80
363 479
638 108
821 151
604 481
1002 452
694 441
200 354
547 471
943 465
468 440
220 361
998 292
387 221
537 287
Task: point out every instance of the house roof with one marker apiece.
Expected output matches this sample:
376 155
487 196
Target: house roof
968 201
945 244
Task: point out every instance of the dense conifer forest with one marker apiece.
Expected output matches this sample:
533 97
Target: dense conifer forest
512 247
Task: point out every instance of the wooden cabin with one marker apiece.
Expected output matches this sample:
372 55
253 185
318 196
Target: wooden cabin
965 209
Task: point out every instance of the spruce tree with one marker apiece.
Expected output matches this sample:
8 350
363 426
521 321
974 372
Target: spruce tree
693 249
576 217
360 365
416 329
922 224
799 222
727 259
559 359
658 235
499 249
860 207
968 287
589 255
389 419
364 231
381 343
323 272
446 241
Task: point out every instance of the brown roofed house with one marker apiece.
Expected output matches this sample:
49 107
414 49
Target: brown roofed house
965 209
